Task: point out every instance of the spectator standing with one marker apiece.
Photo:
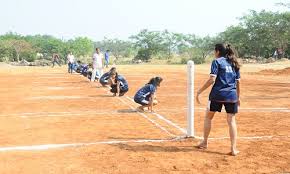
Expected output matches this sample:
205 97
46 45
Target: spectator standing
107 58
55 59
97 65
71 60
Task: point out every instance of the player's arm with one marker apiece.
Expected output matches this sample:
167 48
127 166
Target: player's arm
151 99
118 87
210 81
110 82
238 91
207 84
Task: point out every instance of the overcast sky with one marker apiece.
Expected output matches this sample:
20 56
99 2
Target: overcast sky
97 19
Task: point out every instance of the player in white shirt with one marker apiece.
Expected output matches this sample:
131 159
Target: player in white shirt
71 60
97 65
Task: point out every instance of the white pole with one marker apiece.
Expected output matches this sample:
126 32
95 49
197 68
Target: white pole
190 98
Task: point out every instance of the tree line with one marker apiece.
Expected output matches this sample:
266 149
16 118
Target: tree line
258 34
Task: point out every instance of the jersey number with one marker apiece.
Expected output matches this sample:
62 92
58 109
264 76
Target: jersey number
229 69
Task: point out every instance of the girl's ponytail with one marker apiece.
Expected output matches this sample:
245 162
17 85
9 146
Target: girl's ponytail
230 55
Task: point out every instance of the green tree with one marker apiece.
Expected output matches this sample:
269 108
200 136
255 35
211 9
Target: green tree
171 42
150 42
118 48
81 46
21 48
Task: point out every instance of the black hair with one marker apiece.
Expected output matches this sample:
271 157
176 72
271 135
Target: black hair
228 53
112 69
155 81
114 73
221 48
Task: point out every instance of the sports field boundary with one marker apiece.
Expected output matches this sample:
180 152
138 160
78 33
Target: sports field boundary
43 147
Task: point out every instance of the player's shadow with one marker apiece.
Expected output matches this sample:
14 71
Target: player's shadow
76 82
126 111
157 148
102 95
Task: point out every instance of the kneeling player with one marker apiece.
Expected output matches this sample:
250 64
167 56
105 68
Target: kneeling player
119 85
146 95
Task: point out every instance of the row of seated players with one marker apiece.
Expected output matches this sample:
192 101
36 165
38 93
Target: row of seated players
145 96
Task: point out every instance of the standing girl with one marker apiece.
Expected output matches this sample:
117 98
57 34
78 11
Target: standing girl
97 65
119 85
146 95
225 75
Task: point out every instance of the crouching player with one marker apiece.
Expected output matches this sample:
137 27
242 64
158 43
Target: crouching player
146 95
104 80
84 70
119 85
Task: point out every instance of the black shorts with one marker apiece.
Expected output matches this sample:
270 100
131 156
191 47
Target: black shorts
142 101
122 89
103 81
231 108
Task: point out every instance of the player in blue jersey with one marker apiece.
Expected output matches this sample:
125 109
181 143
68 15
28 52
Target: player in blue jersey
84 69
225 76
104 80
119 85
146 95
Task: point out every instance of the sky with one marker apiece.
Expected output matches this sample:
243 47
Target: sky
97 19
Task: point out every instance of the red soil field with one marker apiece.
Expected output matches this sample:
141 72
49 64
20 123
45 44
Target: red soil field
83 129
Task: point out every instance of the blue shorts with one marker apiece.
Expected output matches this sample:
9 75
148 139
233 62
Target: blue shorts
231 108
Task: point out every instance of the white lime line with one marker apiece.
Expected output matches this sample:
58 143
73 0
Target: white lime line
149 119
57 97
247 137
84 114
144 115
241 109
58 146
165 119
170 122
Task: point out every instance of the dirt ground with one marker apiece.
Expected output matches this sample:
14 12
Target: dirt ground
55 122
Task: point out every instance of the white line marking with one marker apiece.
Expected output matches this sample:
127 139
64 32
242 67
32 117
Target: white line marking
56 146
143 115
169 122
164 119
246 138
84 114
149 119
57 97
240 109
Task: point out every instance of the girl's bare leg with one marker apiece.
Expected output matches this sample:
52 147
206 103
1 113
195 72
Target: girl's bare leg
231 119
141 108
206 130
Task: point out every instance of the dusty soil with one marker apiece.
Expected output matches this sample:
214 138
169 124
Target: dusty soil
40 106
285 71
